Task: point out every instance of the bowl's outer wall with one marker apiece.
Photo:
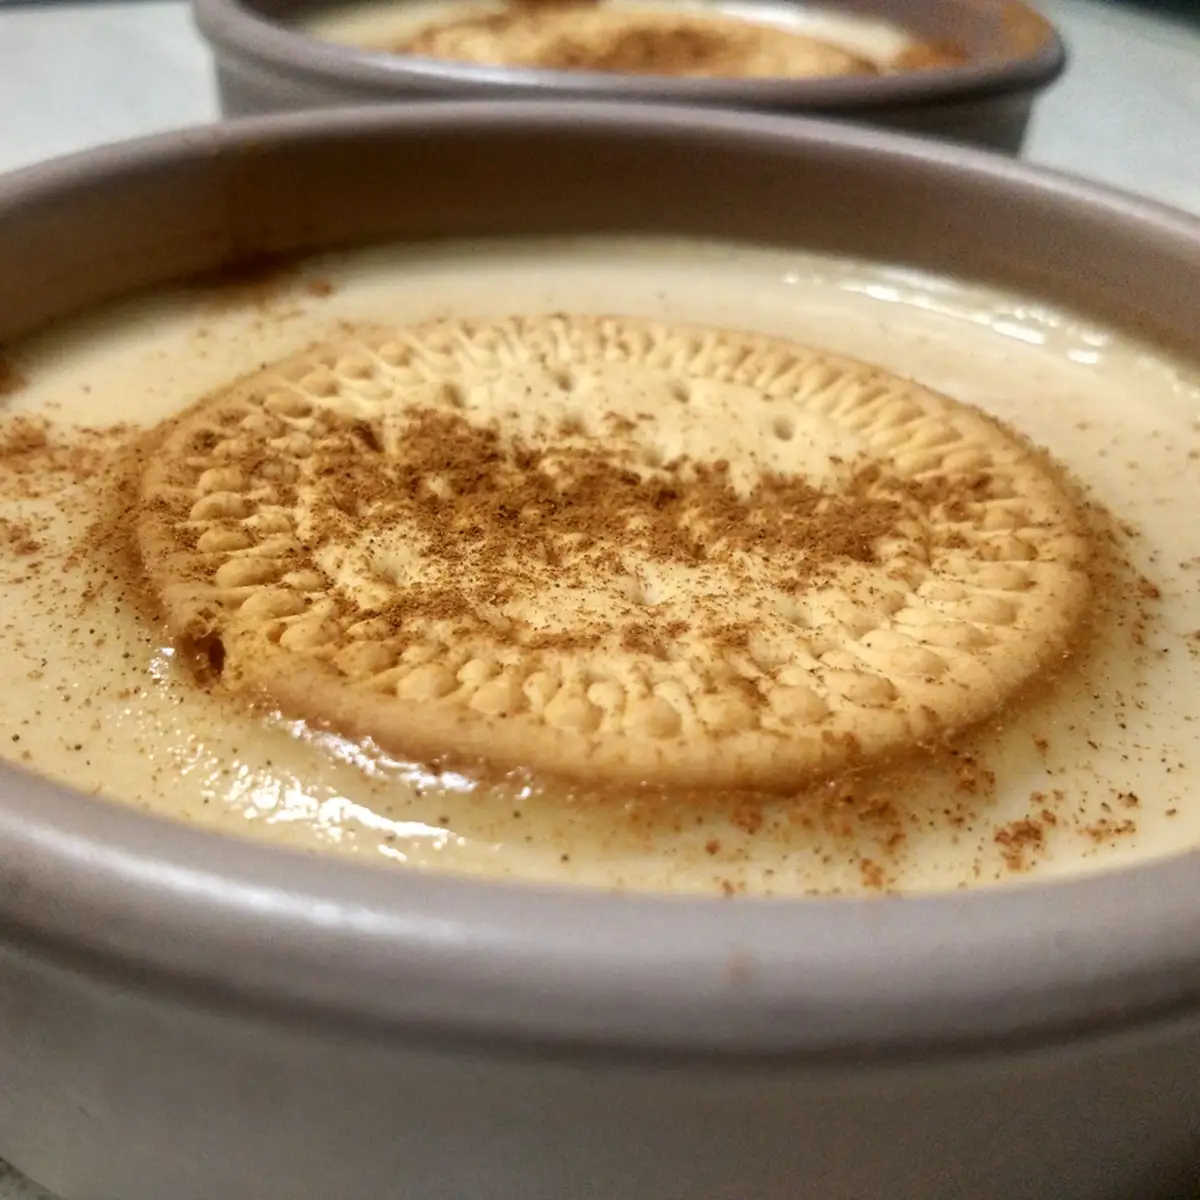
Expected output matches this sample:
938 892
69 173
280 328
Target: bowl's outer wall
263 66
131 1069
111 1095
247 87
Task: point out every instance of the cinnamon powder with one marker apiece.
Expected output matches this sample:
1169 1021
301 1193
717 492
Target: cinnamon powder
498 516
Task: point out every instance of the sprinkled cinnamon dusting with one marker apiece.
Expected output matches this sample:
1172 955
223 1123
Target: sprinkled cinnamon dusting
37 458
482 504
575 35
1019 838
17 538
572 36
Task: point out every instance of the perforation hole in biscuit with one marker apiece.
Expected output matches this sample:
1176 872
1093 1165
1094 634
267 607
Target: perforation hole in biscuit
452 395
572 424
564 378
639 591
518 568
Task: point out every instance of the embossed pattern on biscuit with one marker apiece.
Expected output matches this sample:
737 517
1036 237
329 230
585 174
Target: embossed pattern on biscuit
611 548
565 37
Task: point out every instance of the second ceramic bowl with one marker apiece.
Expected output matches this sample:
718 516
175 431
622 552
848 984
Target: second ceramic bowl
267 60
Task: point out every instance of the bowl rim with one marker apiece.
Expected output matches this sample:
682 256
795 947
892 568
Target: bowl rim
236 27
156 904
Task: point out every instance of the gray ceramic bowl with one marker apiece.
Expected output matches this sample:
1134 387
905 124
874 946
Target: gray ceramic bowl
190 1017
264 63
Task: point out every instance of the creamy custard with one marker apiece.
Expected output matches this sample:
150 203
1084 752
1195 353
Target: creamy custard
378 23
1091 770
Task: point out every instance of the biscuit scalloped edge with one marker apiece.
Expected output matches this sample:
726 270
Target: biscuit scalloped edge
948 644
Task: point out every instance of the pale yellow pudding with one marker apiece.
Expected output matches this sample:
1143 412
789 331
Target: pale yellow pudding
1090 767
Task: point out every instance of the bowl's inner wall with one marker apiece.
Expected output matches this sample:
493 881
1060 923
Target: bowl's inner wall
132 226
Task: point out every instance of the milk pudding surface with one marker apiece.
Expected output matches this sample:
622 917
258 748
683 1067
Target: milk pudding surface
822 577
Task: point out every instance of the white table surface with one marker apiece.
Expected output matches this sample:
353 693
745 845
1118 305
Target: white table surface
74 75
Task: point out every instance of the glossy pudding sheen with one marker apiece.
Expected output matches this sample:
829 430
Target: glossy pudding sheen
1081 759
695 40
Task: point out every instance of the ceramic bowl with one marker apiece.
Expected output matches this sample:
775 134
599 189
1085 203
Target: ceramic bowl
188 1016
266 62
